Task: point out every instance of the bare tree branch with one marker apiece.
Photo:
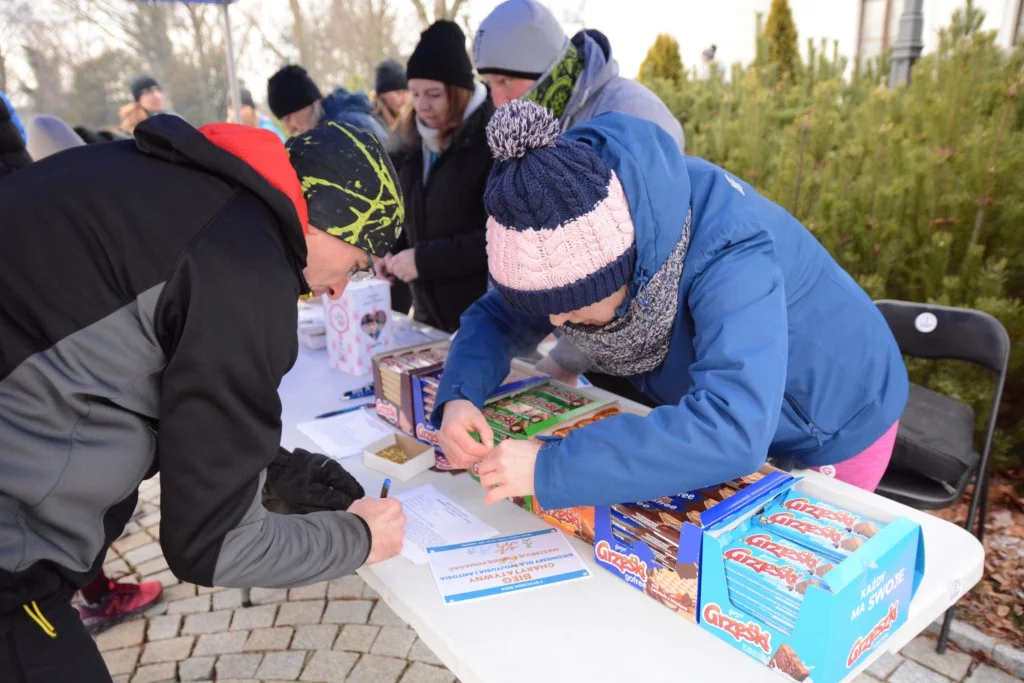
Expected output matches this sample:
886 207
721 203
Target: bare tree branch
267 43
421 12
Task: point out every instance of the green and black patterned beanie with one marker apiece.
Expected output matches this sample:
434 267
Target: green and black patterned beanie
350 186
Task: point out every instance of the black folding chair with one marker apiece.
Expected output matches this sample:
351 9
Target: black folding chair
934 458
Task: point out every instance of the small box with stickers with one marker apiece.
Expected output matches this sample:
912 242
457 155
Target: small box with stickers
809 585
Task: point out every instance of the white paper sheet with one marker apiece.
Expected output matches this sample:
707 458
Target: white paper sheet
434 519
345 435
499 566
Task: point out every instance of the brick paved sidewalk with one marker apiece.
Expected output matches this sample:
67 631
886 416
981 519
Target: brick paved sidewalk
335 631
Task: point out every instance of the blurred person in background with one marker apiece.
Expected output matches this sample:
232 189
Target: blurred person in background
391 93
148 94
391 101
12 141
11 116
522 52
131 115
296 101
251 116
443 160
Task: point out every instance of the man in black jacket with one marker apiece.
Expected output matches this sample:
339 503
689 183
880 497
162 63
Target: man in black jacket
148 315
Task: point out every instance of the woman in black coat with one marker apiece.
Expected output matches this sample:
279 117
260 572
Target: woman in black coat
443 161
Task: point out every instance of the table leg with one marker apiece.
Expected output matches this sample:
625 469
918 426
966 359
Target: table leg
246 598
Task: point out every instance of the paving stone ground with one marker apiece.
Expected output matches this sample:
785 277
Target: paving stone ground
342 632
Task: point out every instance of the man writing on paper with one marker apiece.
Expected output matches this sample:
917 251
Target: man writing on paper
148 316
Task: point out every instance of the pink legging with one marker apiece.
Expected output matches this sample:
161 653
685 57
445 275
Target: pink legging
865 469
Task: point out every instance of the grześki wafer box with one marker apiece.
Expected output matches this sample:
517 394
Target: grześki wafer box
811 581
655 546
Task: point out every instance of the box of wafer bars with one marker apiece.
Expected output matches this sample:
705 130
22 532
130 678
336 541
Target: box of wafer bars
565 405
810 584
424 391
655 545
392 380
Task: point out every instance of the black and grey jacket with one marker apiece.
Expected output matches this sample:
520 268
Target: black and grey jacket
147 316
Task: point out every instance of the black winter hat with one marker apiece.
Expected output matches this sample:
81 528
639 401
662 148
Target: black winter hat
441 56
350 185
141 84
244 98
290 90
390 76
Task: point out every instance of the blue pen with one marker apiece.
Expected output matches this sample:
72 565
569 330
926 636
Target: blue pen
358 393
384 489
338 412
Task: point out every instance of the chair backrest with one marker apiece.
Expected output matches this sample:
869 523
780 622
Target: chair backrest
945 332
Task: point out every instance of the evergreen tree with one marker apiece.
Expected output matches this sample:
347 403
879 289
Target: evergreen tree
916 193
662 62
781 33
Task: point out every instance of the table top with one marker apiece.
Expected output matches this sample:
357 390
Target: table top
578 631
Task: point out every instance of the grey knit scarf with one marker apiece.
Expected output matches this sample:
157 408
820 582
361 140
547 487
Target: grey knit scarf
637 342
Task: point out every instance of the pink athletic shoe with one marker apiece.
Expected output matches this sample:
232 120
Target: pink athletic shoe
121 601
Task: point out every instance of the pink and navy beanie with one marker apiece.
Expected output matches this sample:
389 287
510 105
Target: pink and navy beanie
559 233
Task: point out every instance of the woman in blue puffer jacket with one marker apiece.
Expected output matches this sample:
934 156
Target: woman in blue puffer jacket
714 301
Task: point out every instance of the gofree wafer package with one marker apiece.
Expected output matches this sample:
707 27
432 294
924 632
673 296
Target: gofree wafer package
655 545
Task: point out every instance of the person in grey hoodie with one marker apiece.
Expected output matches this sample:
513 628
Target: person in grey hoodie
295 99
521 51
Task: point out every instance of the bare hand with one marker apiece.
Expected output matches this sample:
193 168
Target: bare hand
461 419
548 366
383 271
386 521
507 471
403 265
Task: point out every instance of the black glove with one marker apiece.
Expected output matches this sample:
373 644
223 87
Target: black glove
301 482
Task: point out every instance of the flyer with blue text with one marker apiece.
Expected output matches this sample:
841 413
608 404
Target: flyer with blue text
497 566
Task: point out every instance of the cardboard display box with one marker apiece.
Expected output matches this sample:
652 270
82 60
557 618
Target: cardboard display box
862 600
358 326
424 388
392 380
673 578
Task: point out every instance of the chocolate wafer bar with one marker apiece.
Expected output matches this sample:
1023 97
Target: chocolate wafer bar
522 409
821 510
787 661
569 398
505 420
826 537
787 551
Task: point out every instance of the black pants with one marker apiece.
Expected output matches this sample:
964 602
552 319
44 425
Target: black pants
28 653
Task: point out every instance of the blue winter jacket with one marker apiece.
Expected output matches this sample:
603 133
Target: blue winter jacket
354 108
775 349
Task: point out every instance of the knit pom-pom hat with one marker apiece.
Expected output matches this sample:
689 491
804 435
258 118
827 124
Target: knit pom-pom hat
559 233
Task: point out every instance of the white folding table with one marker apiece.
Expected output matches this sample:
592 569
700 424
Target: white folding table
599 629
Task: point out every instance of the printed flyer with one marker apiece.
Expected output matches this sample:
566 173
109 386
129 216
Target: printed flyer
483 569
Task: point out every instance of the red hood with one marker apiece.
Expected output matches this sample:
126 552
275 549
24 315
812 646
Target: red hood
263 151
